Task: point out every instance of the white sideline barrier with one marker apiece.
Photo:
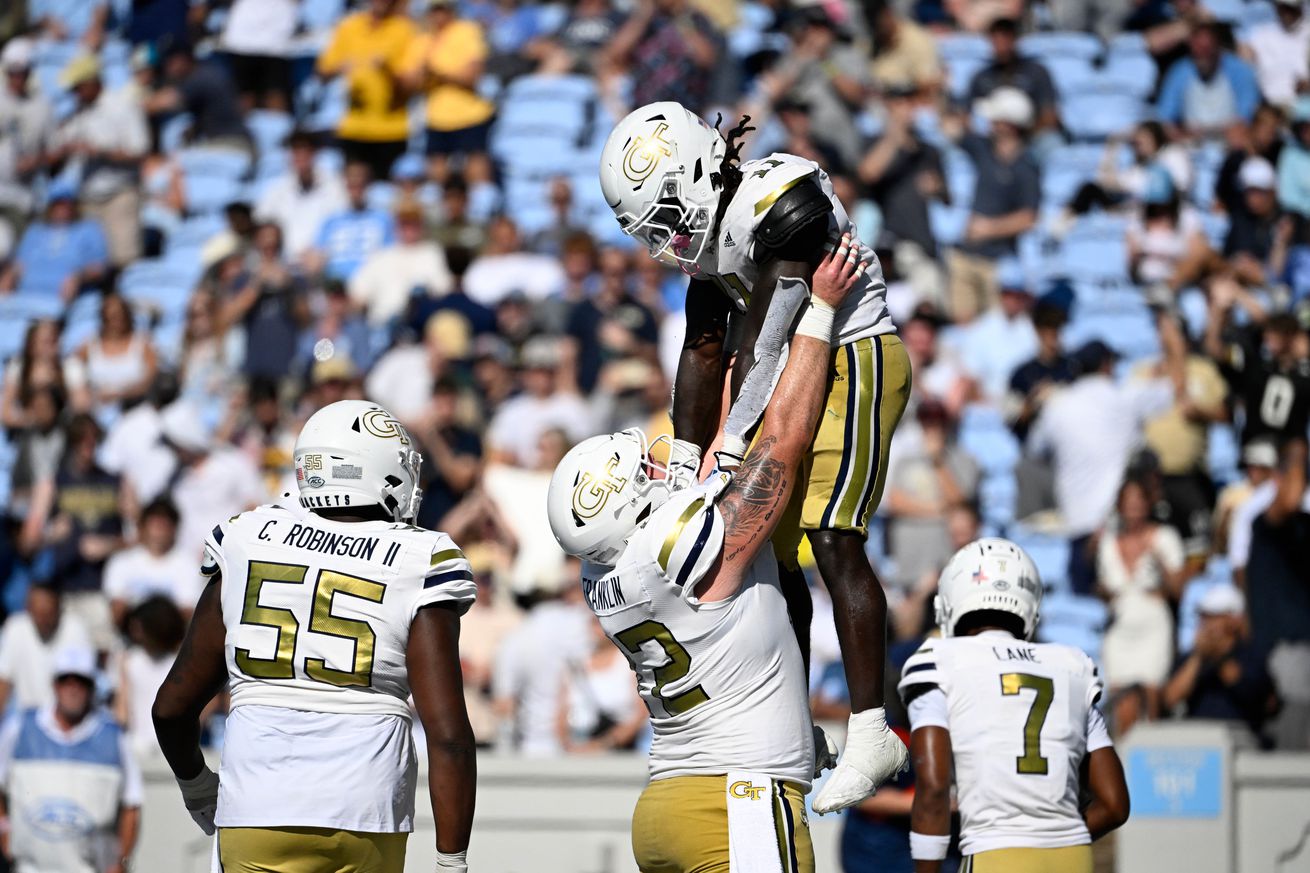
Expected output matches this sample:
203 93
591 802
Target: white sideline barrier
569 815
1204 801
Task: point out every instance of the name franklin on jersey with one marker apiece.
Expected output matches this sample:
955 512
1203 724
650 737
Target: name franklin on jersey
604 594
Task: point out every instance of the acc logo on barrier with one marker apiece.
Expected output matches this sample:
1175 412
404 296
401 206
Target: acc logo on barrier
644 154
593 492
746 789
380 424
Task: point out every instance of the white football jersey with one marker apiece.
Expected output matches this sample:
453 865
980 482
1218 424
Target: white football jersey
317 616
1021 717
723 681
731 258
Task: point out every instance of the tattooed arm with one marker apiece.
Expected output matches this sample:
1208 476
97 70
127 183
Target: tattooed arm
753 504
198 673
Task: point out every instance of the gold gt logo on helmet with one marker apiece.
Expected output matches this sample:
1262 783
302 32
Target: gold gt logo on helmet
592 492
379 423
643 154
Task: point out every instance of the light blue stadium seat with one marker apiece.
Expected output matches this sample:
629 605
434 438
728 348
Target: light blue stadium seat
983 434
960 72
1060 44
1095 114
196 231
26 305
1225 10
321 14
963 45
268 129
1066 169
223 163
1069 73
1050 554
1086 256
997 497
1224 455
1055 631
172 132
947 222
1127 43
1255 13
1133 73
207 195
1216 227
961 176
12 332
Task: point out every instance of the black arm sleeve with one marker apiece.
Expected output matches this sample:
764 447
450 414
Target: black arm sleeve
797 225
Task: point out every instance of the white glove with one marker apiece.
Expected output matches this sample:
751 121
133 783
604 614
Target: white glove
825 752
684 463
200 794
873 754
456 861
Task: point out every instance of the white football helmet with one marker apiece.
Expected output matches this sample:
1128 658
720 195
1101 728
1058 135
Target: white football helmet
659 171
604 489
990 573
352 453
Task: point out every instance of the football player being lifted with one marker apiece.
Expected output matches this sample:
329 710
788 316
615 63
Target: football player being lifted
688 590
751 235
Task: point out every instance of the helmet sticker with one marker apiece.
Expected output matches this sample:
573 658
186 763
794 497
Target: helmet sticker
644 154
380 423
592 492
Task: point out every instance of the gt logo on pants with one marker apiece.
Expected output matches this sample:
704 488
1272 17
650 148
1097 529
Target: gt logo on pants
746 789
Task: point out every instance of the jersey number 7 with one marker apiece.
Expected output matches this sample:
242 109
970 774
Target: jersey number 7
1031 762
327 584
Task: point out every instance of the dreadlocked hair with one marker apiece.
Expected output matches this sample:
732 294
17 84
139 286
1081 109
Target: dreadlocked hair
730 167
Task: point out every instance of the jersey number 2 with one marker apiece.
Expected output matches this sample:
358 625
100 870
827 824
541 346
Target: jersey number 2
321 621
678 665
1031 761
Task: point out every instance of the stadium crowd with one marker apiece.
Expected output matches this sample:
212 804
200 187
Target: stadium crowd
1093 220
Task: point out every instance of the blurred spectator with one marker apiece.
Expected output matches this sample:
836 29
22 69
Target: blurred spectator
1259 460
205 91
514 435
1280 52
154 567
452 455
347 238
1258 237
403 378
1179 439
1279 591
1263 138
456 229
205 368
1164 233
1223 677
1294 169
481 319
209 481
80 518
164 206
903 173
132 448
265 435
1002 338
26 125
38 447
336 330
600 710
587 30
1209 89
332 379
611 325
70 763
904 53
938 375
102 142
1139 569
567 223
302 199
155 629
504 267
482 633
257 39
412 265
1151 152
925 483
120 360
1006 197
268 301
669 50
1089 429
829 76
1265 362
447 62
368 50
39 365
534 662
29 641
1008 69
62 255
1031 385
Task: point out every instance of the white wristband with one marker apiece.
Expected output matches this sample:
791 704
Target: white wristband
817 321
929 847
457 861
734 446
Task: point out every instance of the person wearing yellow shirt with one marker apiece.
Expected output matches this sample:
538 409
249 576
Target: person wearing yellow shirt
446 62
369 50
